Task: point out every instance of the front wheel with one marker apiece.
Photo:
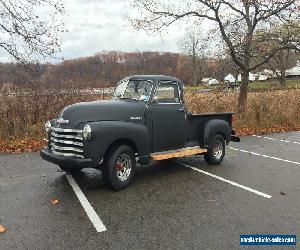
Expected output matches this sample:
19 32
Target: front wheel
119 167
216 152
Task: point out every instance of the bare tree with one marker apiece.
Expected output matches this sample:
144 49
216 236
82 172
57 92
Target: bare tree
236 21
285 58
194 45
282 61
30 28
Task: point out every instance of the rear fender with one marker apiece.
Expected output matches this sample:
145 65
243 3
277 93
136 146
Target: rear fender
214 127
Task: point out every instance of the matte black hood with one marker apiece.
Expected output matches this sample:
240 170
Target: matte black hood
114 110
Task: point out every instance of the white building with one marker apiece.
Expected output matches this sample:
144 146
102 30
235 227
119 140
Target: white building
294 72
205 80
213 82
268 73
229 78
251 77
263 77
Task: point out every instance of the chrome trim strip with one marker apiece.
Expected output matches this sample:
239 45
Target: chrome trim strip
53 146
66 130
66 136
67 154
75 143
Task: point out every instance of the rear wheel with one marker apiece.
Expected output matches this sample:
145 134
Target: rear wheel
69 169
119 167
216 151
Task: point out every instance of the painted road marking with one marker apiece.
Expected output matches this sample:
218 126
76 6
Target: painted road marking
91 213
266 156
274 139
225 180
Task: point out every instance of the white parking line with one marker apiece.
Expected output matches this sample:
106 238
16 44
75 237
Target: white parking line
266 156
225 180
274 139
91 213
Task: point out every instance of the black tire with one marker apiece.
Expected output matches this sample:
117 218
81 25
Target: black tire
119 167
69 169
216 152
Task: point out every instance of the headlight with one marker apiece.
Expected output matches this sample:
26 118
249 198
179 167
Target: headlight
48 126
87 132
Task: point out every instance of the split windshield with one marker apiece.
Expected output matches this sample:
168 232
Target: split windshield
139 90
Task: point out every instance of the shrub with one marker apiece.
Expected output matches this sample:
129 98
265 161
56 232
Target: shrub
24 116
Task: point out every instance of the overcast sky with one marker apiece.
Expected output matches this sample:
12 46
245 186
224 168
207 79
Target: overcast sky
102 25
97 25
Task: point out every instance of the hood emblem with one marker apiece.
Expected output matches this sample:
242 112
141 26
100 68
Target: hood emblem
136 118
62 121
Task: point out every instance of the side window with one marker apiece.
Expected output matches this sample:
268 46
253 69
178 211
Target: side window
167 93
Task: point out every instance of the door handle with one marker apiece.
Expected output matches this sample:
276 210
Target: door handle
181 110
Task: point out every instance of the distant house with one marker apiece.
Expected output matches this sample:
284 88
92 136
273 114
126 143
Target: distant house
229 78
251 77
262 77
268 73
213 82
294 72
205 80
210 81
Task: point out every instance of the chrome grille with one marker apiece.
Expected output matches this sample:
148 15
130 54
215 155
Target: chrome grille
66 142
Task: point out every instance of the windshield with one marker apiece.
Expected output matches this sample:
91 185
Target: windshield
134 89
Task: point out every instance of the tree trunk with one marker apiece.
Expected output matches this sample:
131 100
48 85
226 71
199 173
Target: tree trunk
282 77
194 71
242 102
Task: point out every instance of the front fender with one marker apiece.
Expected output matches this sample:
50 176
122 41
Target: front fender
104 133
214 127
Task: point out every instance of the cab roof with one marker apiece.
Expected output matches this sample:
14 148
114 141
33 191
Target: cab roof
154 78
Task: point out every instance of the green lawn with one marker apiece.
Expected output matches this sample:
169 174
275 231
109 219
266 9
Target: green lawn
294 83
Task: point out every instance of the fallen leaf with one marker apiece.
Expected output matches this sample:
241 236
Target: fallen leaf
2 229
54 201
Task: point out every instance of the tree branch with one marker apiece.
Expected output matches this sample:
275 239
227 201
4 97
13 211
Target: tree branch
276 11
178 16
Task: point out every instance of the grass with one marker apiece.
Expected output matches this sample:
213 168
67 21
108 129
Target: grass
290 83
22 118
265 110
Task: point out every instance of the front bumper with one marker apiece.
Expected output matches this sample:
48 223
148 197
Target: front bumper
72 162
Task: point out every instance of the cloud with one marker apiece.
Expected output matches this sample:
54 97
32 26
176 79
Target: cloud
102 25
97 25
4 59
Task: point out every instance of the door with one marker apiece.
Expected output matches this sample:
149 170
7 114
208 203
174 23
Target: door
169 124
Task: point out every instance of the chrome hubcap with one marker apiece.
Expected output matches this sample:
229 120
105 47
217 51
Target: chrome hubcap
123 167
218 150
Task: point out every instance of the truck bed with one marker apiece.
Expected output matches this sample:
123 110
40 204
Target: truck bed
197 122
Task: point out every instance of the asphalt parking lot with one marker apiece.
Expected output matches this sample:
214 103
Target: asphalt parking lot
182 204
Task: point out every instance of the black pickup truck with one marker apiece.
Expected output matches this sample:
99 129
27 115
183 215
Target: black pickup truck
146 120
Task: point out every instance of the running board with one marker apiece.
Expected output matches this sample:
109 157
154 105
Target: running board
177 153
